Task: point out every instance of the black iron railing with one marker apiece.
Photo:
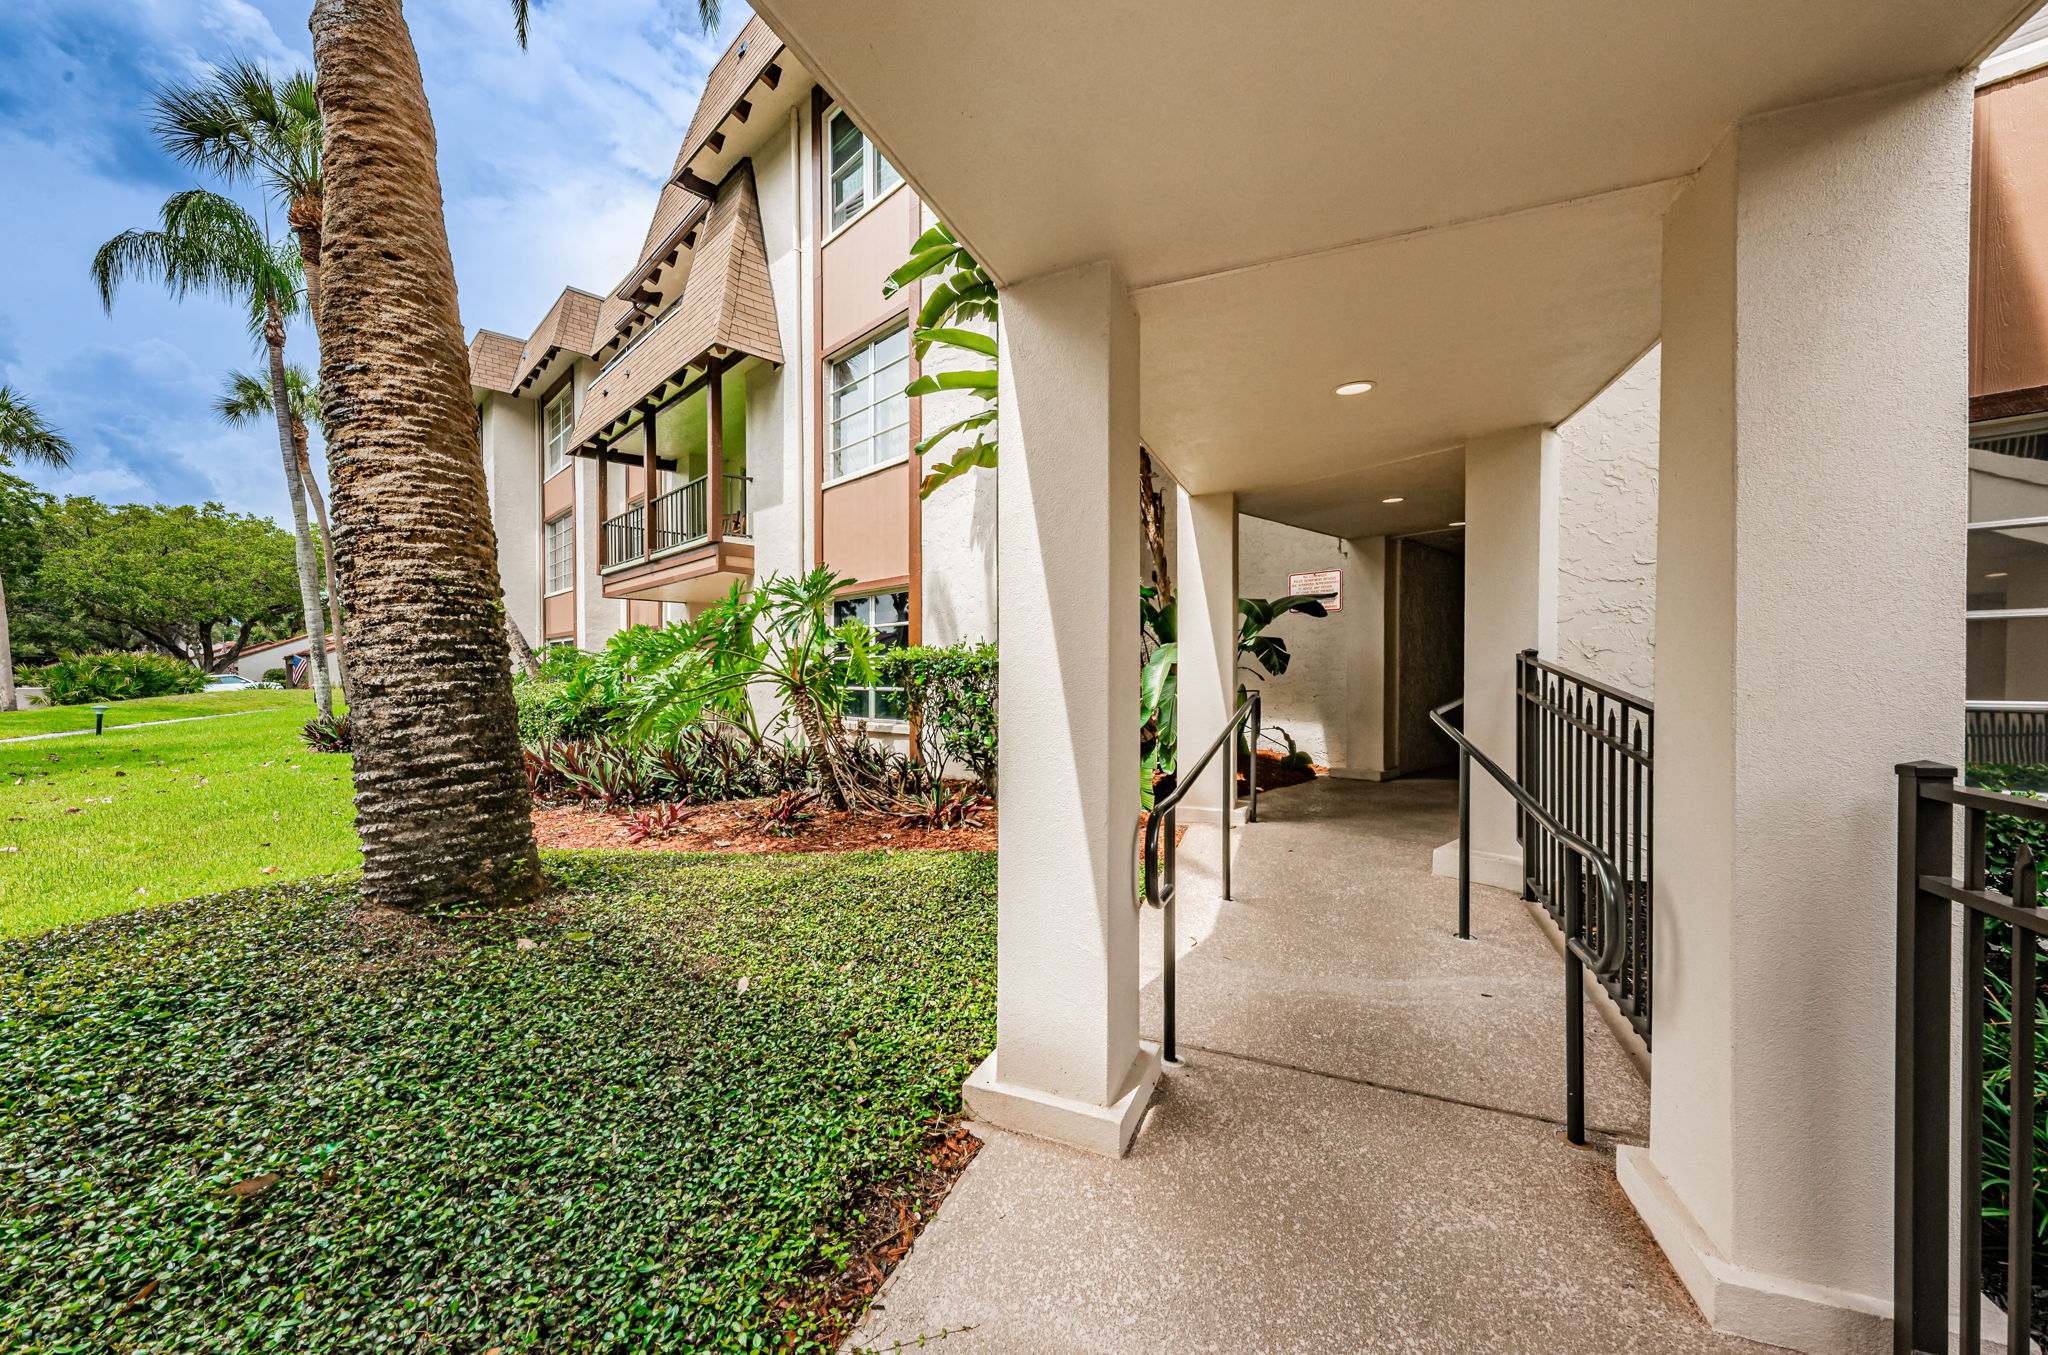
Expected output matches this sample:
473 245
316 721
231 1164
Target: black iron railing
625 536
2011 733
1161 845
1934 1092
1598 947
1583 749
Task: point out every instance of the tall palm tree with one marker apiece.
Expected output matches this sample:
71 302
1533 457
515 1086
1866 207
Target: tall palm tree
24 436
205 243
246 398
250 127
441 799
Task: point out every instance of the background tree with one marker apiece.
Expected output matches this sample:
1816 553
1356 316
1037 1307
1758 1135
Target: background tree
246 398
25 436
249 127
205 243
200 584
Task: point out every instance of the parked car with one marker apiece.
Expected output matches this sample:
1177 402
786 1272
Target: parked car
229 682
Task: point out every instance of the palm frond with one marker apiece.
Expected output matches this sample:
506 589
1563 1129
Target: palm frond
26 434
245 397
243 123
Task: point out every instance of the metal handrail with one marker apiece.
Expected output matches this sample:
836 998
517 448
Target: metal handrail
1161 849
1603 961
1578 957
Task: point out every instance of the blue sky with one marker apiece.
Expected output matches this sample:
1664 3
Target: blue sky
550 162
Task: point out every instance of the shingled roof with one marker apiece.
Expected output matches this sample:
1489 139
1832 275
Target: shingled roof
494 360
727 303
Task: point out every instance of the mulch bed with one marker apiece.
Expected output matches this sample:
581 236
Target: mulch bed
735 826
1275 776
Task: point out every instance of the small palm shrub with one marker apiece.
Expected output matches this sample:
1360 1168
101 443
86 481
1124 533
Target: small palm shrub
76 679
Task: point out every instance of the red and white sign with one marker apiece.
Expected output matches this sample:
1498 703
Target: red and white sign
1329 581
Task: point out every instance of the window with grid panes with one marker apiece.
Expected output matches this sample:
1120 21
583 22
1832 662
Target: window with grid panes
888 616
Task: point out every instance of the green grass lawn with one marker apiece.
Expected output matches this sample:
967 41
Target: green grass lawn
647 1114
95 825
53 719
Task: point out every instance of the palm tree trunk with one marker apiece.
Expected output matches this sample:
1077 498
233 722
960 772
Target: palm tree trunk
7 696
333 575
441 798
303 215
521 651
826 748
302 534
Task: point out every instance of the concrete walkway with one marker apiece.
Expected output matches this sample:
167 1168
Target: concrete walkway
1361 1154
139 724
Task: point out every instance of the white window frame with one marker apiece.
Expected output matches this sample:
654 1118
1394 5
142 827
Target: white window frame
834 473
873 164
565 519
554 443
864 603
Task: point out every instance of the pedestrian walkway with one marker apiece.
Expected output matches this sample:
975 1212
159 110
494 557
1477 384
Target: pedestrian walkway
119 729
1362 1152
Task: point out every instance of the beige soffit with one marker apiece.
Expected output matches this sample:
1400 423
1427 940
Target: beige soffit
493 361
727 304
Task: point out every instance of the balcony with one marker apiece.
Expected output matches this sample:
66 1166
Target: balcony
681 547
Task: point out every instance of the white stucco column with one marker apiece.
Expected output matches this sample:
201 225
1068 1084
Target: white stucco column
1510 606
1809 637
1205 577
1068 1065
1358 750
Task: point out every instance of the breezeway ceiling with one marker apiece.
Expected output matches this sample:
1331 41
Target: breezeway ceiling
1458 199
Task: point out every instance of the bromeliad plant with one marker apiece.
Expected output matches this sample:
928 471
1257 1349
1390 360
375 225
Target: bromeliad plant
966 295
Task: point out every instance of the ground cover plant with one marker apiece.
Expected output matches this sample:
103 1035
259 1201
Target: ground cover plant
96 824
76 679
56 719
657 1110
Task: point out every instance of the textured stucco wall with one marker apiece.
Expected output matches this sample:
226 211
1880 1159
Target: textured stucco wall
511 446
1607 532
959 528
1311 699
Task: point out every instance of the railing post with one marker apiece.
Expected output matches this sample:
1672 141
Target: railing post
1921 1068
1251 812
1465 845
1169 1049
1574 1004
1229 800
1525 714
714 451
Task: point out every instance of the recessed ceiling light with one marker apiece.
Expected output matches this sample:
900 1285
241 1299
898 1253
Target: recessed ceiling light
1999 575
1457 524
1354 388
1396 499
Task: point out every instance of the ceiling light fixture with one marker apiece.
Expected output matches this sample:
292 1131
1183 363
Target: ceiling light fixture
1999 575
1396 499
1457 524
1354 388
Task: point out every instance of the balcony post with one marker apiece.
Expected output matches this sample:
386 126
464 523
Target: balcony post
604 512
714 450
650 468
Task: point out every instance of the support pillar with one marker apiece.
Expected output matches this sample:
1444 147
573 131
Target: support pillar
1359 750
1205 575
1809 637
1068 1065
1510 606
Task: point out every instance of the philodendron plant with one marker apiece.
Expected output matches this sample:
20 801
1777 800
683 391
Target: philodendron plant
1159 709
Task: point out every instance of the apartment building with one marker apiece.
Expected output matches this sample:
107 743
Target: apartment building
732 407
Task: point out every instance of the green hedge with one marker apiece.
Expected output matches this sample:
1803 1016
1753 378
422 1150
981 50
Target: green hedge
76 679
950 691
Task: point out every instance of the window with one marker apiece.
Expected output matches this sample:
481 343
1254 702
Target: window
558 546
888 616
556 421
870 417
859 175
